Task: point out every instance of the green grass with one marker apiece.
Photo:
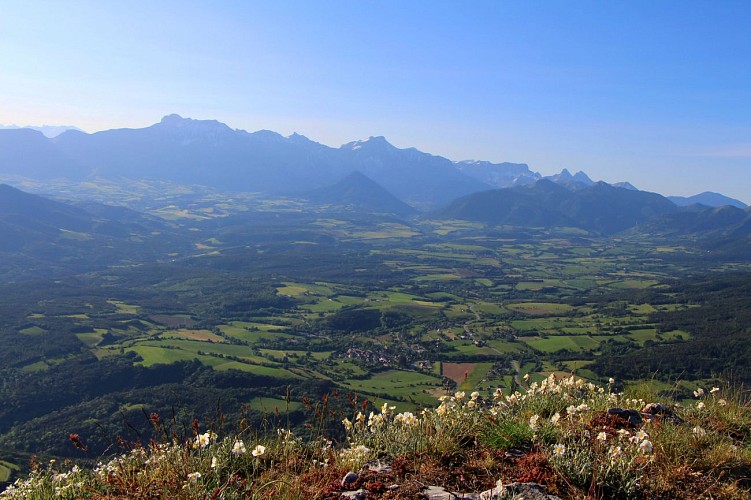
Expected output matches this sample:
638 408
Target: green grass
33 330
476 376
194 347
6 469
540 308
405 384
279 355
489 308
91 339
38 366
124 308
555 343
152 355
504 346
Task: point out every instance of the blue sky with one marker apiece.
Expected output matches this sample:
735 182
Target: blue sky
657 93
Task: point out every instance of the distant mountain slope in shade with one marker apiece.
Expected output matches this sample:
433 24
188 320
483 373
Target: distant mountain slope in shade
48 130
35 228
360 193
707 198
699 219
600 207
725 229
38 216
29 153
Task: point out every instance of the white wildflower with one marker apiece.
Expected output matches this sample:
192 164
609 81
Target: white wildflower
646 446
239 448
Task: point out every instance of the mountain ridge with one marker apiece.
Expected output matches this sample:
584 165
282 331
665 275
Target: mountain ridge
210 153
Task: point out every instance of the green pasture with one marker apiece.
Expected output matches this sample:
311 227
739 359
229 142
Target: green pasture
344 369
456 311
476 376
504 346
279 355
33 330
540 308
467 348
423 254
245 332
153 354
384 231
124 308
489 308
437 277
194 347
195 335
291 290
538 324
410 385
576 364
457 246
37 366
631 284
574 343
270 405
330 304
7 469
91 339
296 289
642 309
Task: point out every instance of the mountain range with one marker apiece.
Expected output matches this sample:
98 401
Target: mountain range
598 207
211 154
48 130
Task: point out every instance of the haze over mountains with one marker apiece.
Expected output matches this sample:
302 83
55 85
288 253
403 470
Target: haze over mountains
368 177
209 153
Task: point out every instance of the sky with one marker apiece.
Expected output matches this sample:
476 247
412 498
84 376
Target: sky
655 93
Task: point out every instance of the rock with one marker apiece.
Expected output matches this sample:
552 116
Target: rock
526 491
349 478
355 495
492 493
657 409
438 493
633 417
379 468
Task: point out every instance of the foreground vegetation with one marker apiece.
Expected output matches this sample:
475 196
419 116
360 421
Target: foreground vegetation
577 439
